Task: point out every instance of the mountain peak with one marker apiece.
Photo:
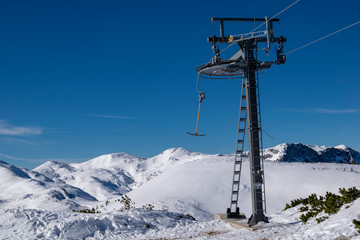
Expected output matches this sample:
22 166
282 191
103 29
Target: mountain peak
298 152
342 147
178 150
111 161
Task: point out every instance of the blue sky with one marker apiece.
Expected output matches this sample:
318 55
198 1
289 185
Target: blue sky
85 78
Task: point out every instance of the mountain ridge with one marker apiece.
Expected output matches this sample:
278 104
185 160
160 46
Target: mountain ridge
298 152
112 175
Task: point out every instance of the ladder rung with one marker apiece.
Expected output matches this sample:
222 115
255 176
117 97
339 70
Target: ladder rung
243 108
233 202
240 141
243 96
236 182
238 162
235 192
236 172
239 151
241 130
242 119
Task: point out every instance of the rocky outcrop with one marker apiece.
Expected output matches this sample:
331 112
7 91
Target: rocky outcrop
298 152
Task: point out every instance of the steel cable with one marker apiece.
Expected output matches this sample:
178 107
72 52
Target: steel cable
322 38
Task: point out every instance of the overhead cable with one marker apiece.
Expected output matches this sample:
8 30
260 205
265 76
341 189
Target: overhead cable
322 38
277 14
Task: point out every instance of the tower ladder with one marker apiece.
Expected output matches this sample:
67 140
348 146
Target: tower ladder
234 210
263 200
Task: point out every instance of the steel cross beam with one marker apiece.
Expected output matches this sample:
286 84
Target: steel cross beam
269 28
214 39
245 19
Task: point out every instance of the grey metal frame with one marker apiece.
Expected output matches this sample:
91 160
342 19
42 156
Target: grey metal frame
244 64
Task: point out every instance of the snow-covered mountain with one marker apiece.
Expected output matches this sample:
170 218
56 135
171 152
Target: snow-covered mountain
111 175
29 189
176 180
297 152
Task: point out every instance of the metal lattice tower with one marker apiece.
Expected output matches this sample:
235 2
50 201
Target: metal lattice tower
245 65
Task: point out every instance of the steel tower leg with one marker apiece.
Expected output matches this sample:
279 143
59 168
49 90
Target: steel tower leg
256 168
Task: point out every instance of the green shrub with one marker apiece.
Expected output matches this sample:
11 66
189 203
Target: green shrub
357 224
320 219
329 204
304 209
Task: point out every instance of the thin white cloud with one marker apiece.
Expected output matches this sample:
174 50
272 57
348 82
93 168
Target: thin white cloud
18 141
11 130
336 111
108 116
321 110
15 158
44 160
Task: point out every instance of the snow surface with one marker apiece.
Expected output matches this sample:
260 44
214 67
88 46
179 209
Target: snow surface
38 204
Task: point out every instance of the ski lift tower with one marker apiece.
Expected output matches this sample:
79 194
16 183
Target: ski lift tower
245 65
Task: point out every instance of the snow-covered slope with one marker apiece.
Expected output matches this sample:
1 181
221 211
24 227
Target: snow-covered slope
28 189
176 180
101 182
201 188
112 175
146 224
41 224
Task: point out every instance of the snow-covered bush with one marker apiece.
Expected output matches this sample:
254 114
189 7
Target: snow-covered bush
148 206
127 202
86 210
